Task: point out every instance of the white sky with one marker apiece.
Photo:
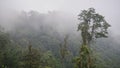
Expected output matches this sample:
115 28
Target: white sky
109 8
62 5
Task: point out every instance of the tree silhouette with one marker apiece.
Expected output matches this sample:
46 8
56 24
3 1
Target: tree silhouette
92 26
64 51
32 58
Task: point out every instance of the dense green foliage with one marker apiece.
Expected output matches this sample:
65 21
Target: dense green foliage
49 45
31 59
92 26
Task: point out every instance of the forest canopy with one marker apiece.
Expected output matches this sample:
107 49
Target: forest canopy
39 40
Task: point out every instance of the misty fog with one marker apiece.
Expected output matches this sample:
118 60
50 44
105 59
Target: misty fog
67 10
58 18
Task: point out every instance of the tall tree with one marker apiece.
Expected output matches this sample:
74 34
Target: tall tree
31 58
64 51
92 26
